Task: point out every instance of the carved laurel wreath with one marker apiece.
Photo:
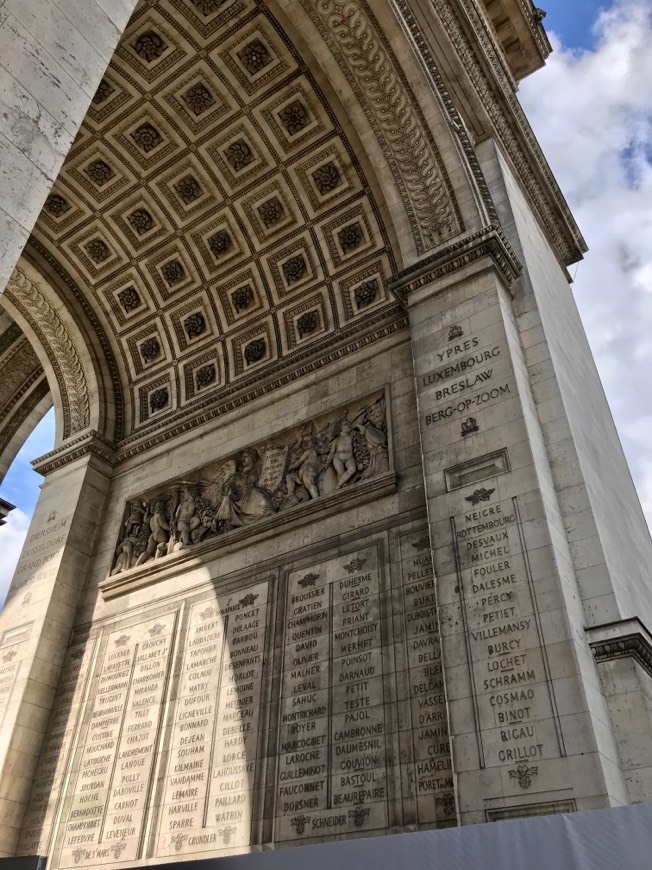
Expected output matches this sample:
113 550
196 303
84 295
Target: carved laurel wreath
371 69
65 361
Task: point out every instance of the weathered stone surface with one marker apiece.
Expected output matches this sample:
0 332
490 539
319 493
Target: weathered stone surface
325 523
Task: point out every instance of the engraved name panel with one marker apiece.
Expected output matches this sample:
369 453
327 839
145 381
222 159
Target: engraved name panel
209 793
515 710
332 769
431 774
105 818
55 752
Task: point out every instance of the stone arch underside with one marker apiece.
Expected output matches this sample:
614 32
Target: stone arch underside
65 354
24 390
228 212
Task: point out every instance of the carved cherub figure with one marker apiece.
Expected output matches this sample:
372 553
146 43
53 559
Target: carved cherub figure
159 535
341 455
305 470
185 516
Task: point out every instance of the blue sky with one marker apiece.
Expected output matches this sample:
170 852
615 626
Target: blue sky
21 485
572 20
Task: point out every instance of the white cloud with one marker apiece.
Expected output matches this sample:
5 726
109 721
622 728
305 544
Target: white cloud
592 113
12 538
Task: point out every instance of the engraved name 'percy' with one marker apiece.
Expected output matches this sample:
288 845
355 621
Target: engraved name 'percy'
325 455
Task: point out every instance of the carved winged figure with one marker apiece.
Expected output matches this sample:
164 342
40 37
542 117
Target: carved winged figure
242 500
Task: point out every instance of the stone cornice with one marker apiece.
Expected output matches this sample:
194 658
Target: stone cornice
626 639
494 87
90 442
488 243
5 508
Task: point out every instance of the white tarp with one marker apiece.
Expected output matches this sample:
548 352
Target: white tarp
600 840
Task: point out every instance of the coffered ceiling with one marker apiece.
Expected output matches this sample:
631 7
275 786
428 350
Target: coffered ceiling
212 210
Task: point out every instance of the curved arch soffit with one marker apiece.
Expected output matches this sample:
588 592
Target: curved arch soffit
24 390
231 207
59 344
409 143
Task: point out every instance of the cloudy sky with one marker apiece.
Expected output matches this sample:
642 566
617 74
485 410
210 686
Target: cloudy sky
591 108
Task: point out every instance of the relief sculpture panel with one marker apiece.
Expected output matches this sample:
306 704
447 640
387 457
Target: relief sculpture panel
304 464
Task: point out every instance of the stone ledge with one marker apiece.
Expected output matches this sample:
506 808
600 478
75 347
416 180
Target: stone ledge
626 638
488 245
326 506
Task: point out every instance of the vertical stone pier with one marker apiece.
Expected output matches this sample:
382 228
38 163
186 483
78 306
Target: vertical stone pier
36 622
526 719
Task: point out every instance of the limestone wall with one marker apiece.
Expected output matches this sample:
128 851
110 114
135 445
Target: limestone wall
53 54
277 683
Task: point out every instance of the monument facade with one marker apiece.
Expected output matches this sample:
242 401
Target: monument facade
337 538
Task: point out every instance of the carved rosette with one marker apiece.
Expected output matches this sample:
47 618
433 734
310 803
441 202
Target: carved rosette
61 351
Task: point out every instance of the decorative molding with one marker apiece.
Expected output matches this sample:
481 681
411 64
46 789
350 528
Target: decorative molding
521 145
357 41
486 243
34 251
634 646
58 345
89 443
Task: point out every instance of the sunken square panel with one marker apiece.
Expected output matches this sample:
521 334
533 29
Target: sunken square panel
97 251
255 58
306 321
240 297
155 399
209 16
147 138
270 211
127 300
99 175
364 290
150 48
327 177
188 189
253 349
112 94
220 243
294 117
173 272
140 222
294 267
199 98
203 374
238 156
147 349
350 235
60 211
192 324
